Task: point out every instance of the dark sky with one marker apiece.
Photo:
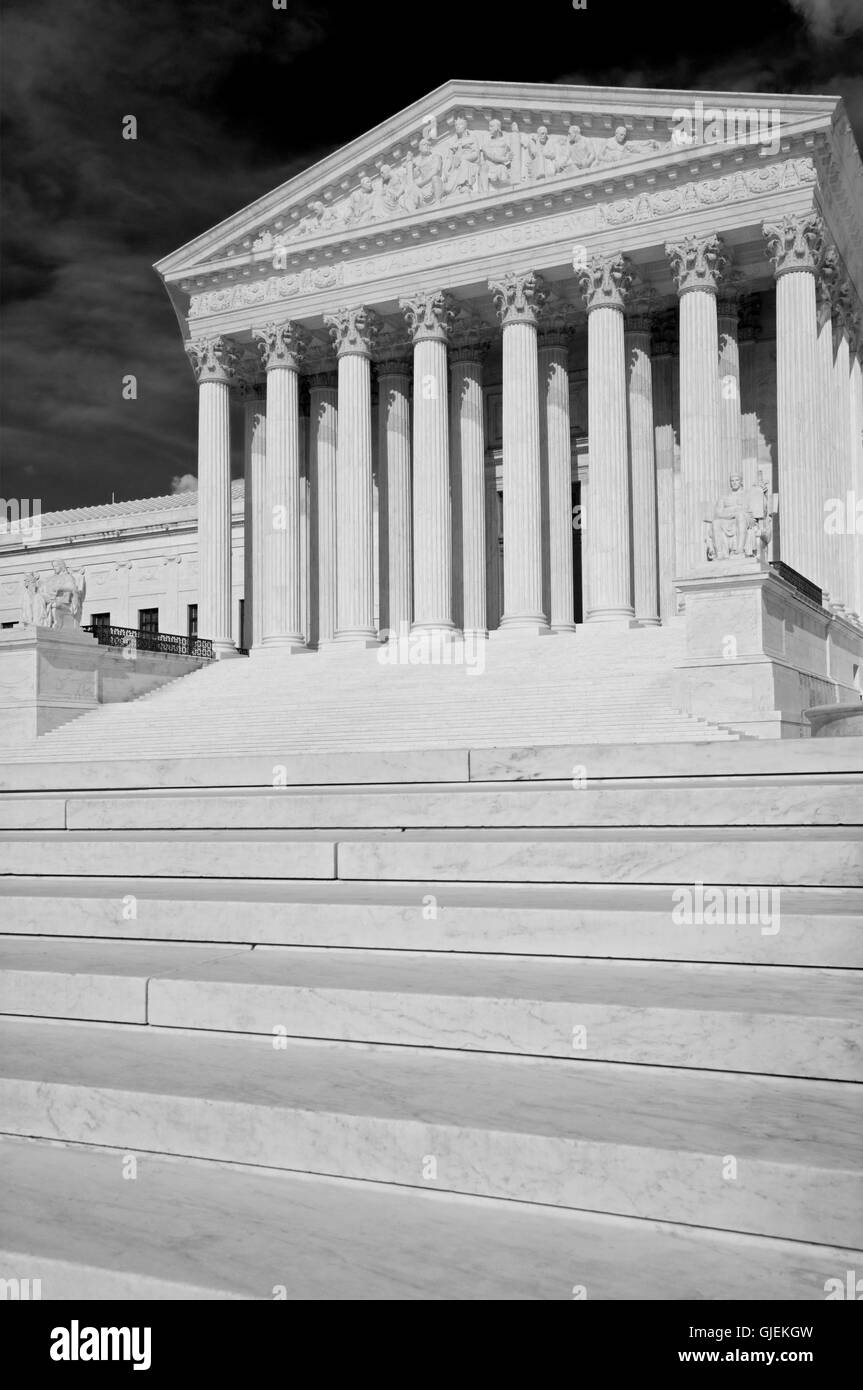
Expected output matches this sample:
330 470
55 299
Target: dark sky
232 97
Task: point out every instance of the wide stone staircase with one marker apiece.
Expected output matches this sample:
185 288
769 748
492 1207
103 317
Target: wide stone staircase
435 1024
601 685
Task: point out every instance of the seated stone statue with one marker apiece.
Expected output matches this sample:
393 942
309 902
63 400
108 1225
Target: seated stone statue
740 524
63 596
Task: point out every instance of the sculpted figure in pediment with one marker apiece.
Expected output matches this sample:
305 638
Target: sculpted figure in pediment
497 155
360 207
427 173
542 155
461 171
576 152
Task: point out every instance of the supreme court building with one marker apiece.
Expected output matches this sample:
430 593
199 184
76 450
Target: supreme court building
599 305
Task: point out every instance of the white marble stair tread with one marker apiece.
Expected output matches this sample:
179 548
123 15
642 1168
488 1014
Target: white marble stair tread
819 926
794 801
767 855
74 978
187 1229
724 855
634 1141
39 811
729 1018
38 768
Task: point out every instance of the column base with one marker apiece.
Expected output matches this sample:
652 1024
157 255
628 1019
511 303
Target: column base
223 650
358 640
647 622
441 629
283 644
528 626
561 629
620 617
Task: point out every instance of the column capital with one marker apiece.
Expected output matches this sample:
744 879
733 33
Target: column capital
518 298
465 353
729 295
605 282
353 330
323 381
429 314
640 307
794 242
698 263
470 333
213 359
280 345
393 366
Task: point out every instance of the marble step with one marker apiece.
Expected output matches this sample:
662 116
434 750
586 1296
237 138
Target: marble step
188 1229
39 769
785 1022
680 801
761 1155
818 926
819 856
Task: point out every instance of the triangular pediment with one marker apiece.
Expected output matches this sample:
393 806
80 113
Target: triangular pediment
472 146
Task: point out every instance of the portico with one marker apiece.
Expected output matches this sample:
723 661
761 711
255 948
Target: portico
614 313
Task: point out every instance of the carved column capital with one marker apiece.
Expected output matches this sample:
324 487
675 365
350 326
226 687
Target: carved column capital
698 263
393 366
280 345
605 282
640 307
429 314
213 359
795 242
353 331
323 381
470 333
518 298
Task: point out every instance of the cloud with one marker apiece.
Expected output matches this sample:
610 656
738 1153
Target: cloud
186 482
830 19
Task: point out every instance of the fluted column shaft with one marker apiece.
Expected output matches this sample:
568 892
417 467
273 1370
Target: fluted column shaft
255 411
730 417
215 363
748 332
467 435
856 431
429 315
605 282
794 244
281 348
323 444
663 422
841 547
394 496
556 462
518 299
698 265
645 561
353 332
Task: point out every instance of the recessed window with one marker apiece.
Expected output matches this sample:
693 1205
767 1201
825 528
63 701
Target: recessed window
192 621
148 622
100 622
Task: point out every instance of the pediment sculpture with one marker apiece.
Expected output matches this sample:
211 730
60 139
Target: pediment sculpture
462 165
740 524
55 600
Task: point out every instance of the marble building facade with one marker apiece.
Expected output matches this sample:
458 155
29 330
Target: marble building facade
645 318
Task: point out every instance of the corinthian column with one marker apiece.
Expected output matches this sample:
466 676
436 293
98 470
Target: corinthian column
730 418
394 494
429 315
281 346
605 283
467 436
794 244
215 363
855 400
642 454
518 299
662 363
323 437
556 459
255 412
353 332
748 334
699 265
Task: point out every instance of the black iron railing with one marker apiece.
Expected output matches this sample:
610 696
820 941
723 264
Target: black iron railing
131 638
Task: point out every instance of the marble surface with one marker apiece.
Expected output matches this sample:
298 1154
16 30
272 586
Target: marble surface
92 979
511 1127
833 857
767 756
196 854
201 1230
679 801
32 813
732 1018
819 927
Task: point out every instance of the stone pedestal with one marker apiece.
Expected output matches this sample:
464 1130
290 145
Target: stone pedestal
48 677
758 652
